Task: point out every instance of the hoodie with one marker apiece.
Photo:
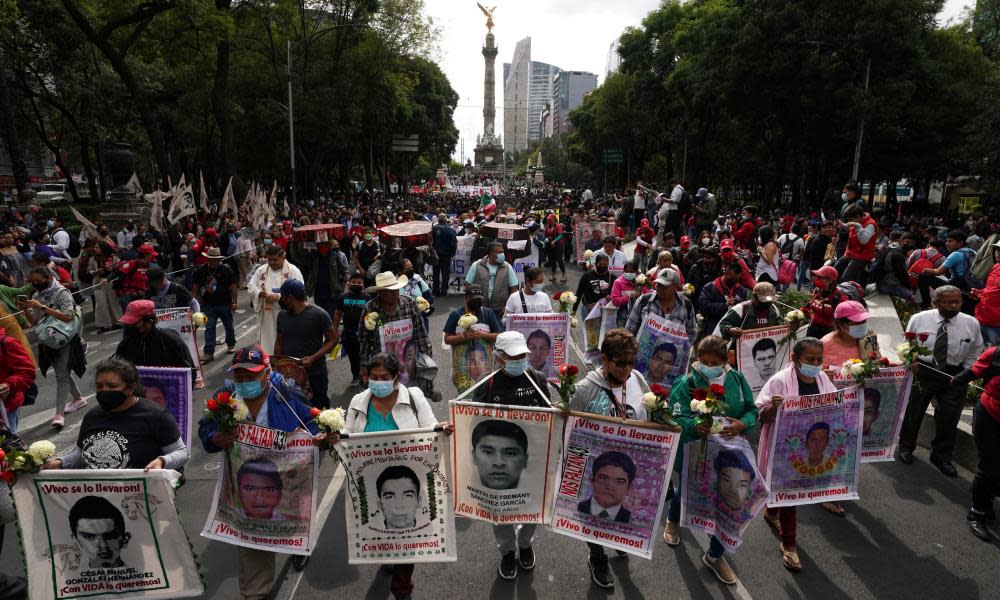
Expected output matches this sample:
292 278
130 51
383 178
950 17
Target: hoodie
594 395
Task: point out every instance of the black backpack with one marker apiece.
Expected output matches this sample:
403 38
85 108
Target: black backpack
789 246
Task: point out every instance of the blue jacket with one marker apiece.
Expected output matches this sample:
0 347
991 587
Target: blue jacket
445 240
713 306
279 414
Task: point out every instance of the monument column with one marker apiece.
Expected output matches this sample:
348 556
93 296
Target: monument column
489 151
489 86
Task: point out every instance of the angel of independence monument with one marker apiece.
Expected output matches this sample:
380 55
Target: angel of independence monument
489 151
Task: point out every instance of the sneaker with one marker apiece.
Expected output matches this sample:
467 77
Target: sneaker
207 359
721 569
672 533
508 566
526 558
231 350
58 421
600 572
75 405
977 525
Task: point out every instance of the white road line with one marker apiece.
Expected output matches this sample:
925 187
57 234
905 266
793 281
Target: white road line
290 585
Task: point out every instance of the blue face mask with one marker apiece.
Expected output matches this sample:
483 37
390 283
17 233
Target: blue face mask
500 258
712 372
810 370
515 368
858 331
381 389
629 276
537 287
248 389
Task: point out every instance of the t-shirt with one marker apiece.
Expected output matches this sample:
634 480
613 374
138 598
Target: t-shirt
367 254
808 389
955 263
537 303
379 422
835 353
175 296
486 317
513 391
351 306
303 334
215 284
126 440
470 278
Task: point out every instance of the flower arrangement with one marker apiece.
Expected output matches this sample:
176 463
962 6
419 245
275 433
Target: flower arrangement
372 321
226 411
861 370
15 461
567 384
588 254
655 401
467 320
796 446
795 316
642 284
199 319
566 301
913 347
706 404
330 420
422 304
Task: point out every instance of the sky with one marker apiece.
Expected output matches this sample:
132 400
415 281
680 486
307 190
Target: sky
570 34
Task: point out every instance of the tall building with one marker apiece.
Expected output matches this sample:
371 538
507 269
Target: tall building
569 88
540 91
515 98
614 59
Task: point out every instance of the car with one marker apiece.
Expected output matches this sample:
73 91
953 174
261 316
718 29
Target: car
53 193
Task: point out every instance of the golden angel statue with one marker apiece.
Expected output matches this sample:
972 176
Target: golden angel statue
489 15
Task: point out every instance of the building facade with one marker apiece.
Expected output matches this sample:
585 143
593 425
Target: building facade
515 98
569 89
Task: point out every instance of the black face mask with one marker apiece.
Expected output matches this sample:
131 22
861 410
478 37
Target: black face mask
602 270
283 304
357 289
474 303
408 273
41 287
111 399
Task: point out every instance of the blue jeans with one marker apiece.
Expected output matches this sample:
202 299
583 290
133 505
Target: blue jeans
901 292
12 419
801 276
214 313
990 334
715 549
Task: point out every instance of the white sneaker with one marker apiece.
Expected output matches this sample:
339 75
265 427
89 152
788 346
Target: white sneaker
75 405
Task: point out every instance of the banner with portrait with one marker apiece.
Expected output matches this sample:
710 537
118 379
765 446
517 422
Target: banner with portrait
547 335
266 494
760 353
664 349
471 360
401 497
590 236
398 340
601 319
722 489
505 461
463 256
104 534
613 480
179 319
816 449
523 264
884 397
170 387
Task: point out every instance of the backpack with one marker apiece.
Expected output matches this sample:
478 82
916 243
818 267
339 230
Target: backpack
31 393
918 267
684 206
970 280
74 243
853 291
789 246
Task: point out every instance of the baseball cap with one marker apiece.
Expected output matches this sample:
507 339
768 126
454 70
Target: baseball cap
685 241
252 358
668 276
827 272
210 231
726 245
511 343
764 291
851 310
148 249
136 311
702 192
291 286
474 290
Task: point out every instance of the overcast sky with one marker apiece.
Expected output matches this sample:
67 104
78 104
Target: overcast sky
570 34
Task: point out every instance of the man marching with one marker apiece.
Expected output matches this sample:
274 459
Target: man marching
265 302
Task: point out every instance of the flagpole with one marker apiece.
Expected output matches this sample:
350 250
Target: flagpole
291 121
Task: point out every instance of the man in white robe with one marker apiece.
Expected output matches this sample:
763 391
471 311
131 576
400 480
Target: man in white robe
264 299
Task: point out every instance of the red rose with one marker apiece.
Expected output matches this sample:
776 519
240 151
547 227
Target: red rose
3 454
885 361
212 404
223 398
314 412
923 336
717 389
8 477
910 335
700 393
658 389
572 370
556 295
873 355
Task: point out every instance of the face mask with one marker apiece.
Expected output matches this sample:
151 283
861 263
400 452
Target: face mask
408 273
500 258
248 389
357 289
705 241
475 303
948 314
283 305
514 368
368 238
712 372
858 331
41 287
764 306
381 389
537 287
843 196
629 276
267 241
50 223
809 370
111 399
602 270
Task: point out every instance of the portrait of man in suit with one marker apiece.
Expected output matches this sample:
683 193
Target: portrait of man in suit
611 479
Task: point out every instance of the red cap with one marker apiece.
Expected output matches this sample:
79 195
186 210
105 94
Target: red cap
726 244
148 249
826 272
252 358
685 241
136 311
210 231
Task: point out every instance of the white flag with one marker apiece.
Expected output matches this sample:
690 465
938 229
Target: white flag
134 186
228 201
182 205
203 194
156 212
89 227
271 201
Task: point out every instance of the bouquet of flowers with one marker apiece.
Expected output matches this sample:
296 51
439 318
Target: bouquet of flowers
688 289
863 369
706 405
372 321
913 347
422 304
566 301
226 411
794 317
567 384
330 420
15 461
467 320
642 284
588 254
655 401
199 319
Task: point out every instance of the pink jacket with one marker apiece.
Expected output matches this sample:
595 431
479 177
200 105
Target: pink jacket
619 289
784 383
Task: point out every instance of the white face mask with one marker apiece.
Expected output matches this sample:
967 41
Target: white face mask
705 241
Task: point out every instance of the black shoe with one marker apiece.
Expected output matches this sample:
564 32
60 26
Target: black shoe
977 525
621 553
905 456
207 359
600 572
526 558
508 566
300 562
944 465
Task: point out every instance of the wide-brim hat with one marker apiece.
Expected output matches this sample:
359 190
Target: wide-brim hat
387 281
213 253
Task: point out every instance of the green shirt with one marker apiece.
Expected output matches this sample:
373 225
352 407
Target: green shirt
379 422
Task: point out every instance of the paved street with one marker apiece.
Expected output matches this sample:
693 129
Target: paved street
905 538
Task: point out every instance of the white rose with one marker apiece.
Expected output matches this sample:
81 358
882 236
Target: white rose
695 406
42 450
650 401
857 368
241 412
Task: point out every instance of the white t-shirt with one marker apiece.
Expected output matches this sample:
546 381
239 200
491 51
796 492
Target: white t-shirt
538 302
640 200
798 245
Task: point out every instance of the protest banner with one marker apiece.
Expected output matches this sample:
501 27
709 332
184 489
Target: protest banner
104 534
596 324
397 339
590 236
816 449
884 397
463 256
722 489
266 494
401 498
523 264
664 349
547 335
170 387
505 461
179 319
760 353
611 463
